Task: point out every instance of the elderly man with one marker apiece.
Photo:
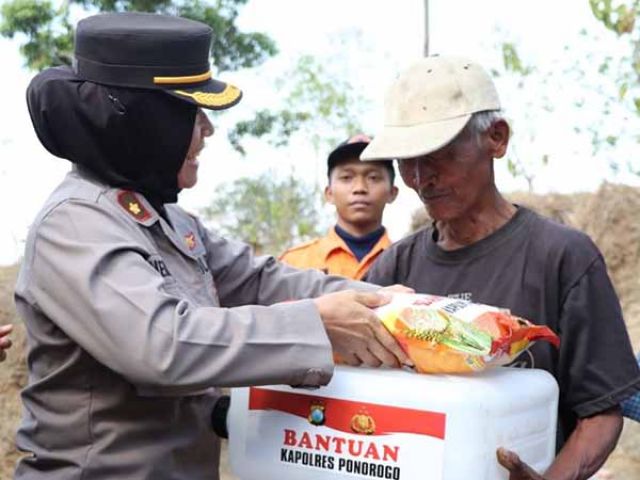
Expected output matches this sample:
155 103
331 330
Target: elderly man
443 124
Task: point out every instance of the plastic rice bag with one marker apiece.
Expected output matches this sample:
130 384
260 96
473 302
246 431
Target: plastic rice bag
449 335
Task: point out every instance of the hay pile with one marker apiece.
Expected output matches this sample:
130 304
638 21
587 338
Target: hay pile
13 375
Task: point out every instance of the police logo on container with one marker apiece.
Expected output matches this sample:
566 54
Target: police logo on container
363 423
316 413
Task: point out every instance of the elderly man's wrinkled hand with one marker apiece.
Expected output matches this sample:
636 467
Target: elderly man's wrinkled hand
5 342
397 288
355 332
518 470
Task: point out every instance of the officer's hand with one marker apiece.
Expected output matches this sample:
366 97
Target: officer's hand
397 288
5 342
355 332
518 470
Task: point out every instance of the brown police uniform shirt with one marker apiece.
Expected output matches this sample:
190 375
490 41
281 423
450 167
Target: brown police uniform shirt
132 321
548 273
331 255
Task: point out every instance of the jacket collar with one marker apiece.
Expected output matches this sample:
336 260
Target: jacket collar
332 241
182 231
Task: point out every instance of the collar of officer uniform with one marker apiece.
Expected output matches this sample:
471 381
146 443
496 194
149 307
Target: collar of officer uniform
182 233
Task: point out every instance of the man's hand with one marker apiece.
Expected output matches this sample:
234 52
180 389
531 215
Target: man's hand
355 332
518 470
5 342
586 450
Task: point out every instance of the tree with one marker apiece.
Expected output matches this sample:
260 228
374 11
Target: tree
523 122
621 18
48 31
600 90
320 105
267 213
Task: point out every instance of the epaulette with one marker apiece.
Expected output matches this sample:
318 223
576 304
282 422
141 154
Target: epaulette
132 205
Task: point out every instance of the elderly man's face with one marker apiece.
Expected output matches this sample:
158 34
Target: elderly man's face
452 181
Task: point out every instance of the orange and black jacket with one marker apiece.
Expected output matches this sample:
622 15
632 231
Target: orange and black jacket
332 255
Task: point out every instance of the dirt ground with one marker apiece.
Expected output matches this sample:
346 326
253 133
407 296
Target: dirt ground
610 216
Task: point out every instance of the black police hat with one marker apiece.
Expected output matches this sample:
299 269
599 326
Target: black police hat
146 50
352 147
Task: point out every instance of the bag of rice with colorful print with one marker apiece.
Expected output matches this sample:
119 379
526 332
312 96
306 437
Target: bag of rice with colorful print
449 335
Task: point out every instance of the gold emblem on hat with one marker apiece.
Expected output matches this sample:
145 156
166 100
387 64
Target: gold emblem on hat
363 423
228 95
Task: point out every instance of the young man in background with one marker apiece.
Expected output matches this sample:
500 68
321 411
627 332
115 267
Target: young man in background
360 192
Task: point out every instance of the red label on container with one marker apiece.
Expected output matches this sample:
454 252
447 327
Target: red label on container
350 416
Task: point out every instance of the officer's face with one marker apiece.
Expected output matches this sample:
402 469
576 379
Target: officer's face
202 128
360 191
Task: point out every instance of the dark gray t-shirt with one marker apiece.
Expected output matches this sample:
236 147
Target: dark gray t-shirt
547 273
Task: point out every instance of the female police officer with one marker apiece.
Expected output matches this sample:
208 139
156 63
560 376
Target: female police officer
134 311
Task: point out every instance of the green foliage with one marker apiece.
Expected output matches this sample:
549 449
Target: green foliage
49 34
512 61
520 74
320 105
619 18
230 49
265 212
622 91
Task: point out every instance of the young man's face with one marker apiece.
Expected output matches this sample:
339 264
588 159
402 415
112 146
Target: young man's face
360 191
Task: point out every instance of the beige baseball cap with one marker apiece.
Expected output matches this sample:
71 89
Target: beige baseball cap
429 104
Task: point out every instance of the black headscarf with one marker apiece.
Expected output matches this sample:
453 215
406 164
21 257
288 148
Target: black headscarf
129 138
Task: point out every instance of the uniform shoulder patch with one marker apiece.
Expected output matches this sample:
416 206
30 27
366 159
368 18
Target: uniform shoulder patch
133 206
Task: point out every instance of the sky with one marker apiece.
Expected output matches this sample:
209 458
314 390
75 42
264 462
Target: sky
368 43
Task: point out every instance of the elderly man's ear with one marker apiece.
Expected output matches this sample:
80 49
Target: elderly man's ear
498 138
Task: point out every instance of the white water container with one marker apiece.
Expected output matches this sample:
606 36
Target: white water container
394 424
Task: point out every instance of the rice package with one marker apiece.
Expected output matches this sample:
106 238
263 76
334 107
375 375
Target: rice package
449 335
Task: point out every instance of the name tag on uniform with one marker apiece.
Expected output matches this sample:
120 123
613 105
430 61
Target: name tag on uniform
159 266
